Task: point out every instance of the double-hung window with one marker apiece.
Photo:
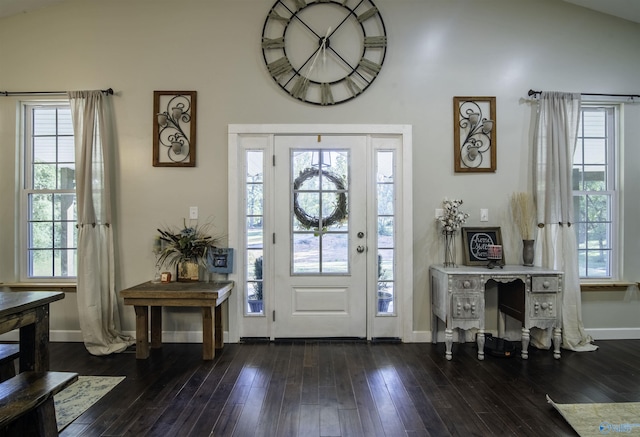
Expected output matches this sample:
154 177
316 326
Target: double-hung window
595 192
48 249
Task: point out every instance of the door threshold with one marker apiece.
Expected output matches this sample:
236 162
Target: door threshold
320 339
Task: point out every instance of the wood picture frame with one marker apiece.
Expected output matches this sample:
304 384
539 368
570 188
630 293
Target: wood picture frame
474 134
174 128
475 241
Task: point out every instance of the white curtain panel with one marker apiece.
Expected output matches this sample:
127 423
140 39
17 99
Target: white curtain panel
556 244
97 299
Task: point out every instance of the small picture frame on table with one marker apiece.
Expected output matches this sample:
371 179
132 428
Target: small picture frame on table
476 242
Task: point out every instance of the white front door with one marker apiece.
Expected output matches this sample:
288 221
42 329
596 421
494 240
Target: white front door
320 244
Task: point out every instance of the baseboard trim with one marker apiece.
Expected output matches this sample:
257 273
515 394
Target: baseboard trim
614 333
76 336
417 336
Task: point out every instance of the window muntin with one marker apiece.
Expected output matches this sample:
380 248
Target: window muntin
595 192
49 199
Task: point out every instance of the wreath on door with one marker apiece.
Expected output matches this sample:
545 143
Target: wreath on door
339 214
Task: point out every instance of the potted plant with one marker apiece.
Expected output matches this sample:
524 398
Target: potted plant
186 249
384 297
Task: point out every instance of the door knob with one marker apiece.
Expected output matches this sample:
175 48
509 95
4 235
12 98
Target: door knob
360 249
360 234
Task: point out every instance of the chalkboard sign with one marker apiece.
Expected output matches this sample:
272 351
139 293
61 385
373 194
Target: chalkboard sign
476 242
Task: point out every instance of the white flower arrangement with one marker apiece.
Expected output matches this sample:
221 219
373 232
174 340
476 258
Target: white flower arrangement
453 217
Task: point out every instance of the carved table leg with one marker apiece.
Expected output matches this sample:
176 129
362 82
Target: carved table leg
480 340
525 343
557 341
448 341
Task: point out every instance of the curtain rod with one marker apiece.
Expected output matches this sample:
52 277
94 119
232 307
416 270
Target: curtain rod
536 93
51 93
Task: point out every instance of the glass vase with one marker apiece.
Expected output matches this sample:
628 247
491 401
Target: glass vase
449 249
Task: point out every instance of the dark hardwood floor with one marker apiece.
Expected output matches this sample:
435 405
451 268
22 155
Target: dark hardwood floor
333 388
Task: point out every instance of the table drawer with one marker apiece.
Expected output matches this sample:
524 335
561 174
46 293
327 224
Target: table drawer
543 306
466 283
465 306
544 284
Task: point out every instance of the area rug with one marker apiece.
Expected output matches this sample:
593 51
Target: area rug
79 396
601 419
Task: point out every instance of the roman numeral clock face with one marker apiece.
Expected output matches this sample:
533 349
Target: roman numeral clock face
324 52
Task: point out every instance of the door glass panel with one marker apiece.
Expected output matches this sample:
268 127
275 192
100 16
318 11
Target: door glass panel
335 257
306 253
320 211
306 207
254 166
385 265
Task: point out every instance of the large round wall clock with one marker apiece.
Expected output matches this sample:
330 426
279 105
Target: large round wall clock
324 52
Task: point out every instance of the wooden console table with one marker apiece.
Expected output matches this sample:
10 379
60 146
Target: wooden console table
207 295
531 295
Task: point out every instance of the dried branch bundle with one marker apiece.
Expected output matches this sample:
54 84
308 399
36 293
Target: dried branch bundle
524 214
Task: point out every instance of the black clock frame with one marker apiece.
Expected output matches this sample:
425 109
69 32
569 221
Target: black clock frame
365 75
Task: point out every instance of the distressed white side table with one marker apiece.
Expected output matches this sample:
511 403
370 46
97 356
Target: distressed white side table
532 295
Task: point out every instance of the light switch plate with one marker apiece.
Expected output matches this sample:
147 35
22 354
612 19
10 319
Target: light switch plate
484 215
193 212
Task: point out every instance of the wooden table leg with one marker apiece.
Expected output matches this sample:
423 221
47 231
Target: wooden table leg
34 342
218 328
142 331
208 323
156 327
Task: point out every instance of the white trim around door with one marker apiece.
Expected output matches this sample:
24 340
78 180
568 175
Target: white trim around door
251 143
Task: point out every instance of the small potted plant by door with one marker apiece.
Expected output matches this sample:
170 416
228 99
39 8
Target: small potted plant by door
255 299
384 297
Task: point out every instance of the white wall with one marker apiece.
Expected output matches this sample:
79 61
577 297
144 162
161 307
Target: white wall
438 49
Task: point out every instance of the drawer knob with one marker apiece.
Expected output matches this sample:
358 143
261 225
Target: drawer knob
466 284
467 307
544 305
545 284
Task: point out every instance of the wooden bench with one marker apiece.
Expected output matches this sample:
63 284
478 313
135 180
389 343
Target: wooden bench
26 403
8 354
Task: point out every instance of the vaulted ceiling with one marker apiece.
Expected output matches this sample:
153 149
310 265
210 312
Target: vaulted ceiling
627 9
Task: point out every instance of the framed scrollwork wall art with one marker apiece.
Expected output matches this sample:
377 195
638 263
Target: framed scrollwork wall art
174 128
474 134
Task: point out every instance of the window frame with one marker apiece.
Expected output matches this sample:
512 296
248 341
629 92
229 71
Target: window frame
613 181
25 189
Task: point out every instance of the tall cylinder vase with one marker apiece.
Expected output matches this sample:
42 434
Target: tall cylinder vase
527 252
449 249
